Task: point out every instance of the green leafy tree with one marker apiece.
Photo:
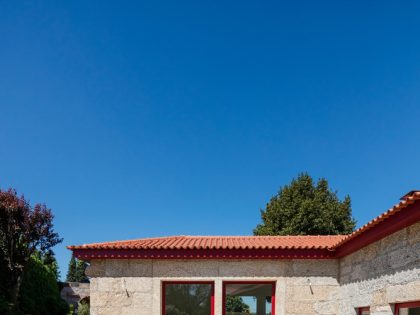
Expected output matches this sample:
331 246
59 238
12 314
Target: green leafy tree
235 304
23 231
39 290
80 271
48 260
76 271
83 308
4 283
306 208
71 272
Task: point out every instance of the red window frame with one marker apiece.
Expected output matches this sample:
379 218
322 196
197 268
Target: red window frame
164 283
273 292
398 306
360 310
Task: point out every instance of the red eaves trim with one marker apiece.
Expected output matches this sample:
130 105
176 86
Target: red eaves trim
86 254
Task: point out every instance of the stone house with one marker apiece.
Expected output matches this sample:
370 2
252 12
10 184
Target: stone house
374 270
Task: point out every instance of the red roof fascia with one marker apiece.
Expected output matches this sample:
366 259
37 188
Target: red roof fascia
87 254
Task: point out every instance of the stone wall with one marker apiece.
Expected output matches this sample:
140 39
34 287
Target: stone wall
134 286
381 274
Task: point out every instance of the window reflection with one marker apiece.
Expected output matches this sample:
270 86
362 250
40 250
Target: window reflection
409 311
248 298
188 298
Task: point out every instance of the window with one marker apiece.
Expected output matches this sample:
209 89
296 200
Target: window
240 298
410 308
363 311
187 298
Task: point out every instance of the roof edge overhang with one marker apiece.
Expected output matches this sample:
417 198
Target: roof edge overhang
88 254
394 223
402 215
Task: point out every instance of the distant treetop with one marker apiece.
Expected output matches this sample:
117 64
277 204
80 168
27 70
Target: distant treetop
306 208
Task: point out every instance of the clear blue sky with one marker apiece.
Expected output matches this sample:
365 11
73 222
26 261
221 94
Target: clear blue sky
159 118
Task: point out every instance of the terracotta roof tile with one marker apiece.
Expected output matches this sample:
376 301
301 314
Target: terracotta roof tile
406 200
251 242
222 242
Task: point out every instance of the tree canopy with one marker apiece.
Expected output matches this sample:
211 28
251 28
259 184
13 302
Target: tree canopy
235 304
40 293
24 231
76 271
306 208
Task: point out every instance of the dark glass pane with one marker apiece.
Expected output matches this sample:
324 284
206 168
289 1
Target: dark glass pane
410 311
188 299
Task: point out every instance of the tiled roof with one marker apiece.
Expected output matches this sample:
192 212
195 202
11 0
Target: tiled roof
406 200
330 242
222 242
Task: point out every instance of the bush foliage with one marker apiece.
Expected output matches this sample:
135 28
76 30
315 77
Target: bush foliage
39 291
